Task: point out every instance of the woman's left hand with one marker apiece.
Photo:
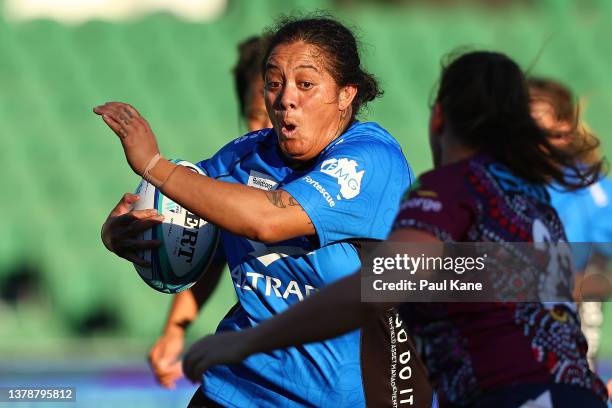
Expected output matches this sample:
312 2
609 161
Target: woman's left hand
137 138
221 348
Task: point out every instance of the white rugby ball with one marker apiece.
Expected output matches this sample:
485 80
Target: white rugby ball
188 243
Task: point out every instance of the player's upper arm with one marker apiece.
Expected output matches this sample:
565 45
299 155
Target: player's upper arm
440 208
284 218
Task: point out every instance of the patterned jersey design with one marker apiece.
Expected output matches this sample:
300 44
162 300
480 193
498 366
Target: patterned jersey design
493 344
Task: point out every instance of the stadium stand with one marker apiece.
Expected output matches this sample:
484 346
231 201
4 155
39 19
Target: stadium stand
64 171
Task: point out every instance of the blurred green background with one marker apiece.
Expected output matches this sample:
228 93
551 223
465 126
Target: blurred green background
61 292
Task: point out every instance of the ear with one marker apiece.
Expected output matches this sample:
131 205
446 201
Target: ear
436 123
346 96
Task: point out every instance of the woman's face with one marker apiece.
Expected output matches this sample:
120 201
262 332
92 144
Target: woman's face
543 111
256 115
307 108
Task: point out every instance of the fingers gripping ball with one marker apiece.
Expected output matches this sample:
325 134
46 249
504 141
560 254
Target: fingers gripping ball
188 243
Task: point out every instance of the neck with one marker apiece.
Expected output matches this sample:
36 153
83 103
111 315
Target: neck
453 151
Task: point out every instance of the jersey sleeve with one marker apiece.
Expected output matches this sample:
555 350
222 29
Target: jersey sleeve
601 228
354 190
438 205
220 165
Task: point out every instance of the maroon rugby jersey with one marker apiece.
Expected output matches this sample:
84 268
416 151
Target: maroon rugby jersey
472 348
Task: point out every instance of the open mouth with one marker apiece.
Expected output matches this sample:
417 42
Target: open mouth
288 129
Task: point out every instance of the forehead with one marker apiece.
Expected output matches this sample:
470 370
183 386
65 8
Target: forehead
296 55
542 105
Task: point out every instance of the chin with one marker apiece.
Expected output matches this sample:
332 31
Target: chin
292 149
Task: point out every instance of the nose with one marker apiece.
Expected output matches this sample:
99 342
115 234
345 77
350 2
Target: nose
288 97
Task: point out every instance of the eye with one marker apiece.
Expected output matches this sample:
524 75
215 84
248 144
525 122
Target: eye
273 85
306 84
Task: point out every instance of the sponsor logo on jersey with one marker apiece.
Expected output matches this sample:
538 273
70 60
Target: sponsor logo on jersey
345 171
427 193
425 204
269 254
247 137
269 285
321 190
261 181
173 207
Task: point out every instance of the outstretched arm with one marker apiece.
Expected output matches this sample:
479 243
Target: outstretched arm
266 216
335 310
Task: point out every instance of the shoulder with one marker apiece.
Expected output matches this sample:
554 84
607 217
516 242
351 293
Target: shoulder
247 143
440 203
450 180
369 135
437 190
369 145
238 148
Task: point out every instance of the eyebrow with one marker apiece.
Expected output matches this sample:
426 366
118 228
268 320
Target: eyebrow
271 66
303 66
307 67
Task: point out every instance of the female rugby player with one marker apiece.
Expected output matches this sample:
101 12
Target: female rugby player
323 185
586 213
492 164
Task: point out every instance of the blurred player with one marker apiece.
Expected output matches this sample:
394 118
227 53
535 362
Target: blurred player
492 164
248 81
586 213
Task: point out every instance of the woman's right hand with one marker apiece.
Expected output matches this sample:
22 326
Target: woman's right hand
123 226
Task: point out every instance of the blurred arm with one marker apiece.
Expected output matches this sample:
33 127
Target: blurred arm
164 355
186 305
335 310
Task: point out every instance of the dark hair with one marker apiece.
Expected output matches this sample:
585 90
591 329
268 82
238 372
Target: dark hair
484 98
250 56
340 48
583 142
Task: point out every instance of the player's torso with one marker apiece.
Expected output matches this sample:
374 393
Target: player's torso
505 209
268 278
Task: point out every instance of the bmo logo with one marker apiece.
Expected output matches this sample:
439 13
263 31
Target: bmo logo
345 172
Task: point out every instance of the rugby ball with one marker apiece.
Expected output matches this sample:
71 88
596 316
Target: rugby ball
188 243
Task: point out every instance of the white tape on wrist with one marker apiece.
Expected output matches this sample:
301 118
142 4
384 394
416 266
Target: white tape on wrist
147 172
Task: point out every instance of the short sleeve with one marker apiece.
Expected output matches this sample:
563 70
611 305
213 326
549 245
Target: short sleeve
221 164
601 226
354 190
440 207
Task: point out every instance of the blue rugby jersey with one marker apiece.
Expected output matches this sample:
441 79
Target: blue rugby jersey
587 217
351 192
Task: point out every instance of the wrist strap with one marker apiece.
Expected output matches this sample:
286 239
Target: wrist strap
147 172
153 180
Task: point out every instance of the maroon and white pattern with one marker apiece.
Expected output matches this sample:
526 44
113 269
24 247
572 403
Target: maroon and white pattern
473 348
